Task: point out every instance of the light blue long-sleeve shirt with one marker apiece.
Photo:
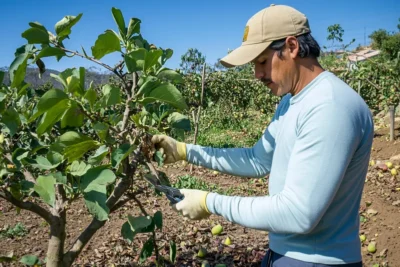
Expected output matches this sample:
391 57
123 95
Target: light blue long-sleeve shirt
316 151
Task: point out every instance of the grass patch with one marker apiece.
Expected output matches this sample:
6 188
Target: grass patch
18 230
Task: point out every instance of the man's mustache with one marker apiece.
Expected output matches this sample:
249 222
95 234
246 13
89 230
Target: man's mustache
266 80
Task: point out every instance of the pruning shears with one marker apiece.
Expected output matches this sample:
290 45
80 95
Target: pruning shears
171 193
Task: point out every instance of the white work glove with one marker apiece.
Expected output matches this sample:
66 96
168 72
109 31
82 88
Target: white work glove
193 206
171 149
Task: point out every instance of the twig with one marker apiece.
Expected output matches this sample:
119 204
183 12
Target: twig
125 200
140 206
129 98
26 205
114 70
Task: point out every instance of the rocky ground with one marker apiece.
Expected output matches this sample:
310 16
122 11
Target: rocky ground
380 215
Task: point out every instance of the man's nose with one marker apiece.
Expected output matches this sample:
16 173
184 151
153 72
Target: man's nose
258 72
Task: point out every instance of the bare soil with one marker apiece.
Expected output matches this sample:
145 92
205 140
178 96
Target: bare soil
380 208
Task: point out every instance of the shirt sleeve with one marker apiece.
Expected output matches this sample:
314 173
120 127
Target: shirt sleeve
247 162
326 141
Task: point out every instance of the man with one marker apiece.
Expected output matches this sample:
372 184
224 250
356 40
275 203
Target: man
316 151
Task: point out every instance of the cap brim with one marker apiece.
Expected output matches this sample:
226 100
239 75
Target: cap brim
243 54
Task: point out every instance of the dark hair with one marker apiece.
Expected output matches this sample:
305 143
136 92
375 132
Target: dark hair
309 47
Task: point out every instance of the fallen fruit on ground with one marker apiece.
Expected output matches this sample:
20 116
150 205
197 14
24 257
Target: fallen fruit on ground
216 230
389 164
372 247
393 172
202 252
363 238
228 241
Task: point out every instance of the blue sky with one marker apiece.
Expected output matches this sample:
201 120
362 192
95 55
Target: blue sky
213 27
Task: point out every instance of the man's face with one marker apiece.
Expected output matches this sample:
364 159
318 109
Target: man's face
276 73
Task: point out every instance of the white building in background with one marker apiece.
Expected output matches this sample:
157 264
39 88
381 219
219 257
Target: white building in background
361 55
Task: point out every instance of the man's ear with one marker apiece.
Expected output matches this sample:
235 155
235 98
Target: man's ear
293 46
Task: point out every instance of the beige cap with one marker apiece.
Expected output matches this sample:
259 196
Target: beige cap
272 23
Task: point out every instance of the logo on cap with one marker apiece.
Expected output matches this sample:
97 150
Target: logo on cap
246 32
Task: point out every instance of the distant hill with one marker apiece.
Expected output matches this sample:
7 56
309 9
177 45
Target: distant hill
32 77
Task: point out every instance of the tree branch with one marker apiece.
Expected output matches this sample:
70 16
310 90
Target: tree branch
26 205
129 96
119 190
114 70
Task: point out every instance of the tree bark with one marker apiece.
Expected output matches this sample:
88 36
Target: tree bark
26 205
55 249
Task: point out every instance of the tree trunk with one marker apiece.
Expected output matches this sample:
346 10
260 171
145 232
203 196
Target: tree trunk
55 249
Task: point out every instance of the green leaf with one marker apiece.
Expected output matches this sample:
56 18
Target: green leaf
38 25
134 27
76 151
71 138
99 155
94 185
17 68
91 96
105 44
166 93
49 51
47 101
63 27
52 116
179 121
140 223
82 73
74 145
29 260
60 178
36 36
43 163
11 120
158 219
152 57
135 60
120 154
147 249
172 251
167 54
111 95
170 75
18 155
101 130
119 19
127 232
45 188
79 168
73 117
150 82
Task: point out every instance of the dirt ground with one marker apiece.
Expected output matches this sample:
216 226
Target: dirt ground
380 213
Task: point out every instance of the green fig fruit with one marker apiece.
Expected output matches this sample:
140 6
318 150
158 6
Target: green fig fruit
216 230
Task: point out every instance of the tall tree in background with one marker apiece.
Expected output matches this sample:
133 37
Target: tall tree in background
192 61
388 42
